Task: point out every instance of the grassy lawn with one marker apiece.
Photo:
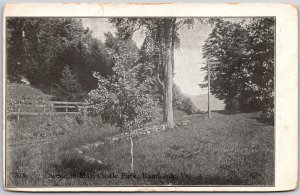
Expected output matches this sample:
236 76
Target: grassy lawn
229 150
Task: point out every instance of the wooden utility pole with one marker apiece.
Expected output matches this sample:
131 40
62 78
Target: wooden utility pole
208 92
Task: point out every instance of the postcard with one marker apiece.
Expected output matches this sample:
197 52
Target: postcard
159 97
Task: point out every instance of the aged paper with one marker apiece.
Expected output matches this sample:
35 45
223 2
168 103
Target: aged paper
137 97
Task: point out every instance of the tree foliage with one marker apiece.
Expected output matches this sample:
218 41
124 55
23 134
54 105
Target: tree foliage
69 88
121 98
40 48
182 102
241 57
127 26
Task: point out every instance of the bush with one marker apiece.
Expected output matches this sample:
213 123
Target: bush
232 105
188 106
122 99
268 115
69 88
182 102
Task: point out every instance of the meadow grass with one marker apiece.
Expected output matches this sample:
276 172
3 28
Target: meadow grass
231 149
21 91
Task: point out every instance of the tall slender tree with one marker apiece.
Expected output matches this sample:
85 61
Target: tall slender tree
168 80
164 32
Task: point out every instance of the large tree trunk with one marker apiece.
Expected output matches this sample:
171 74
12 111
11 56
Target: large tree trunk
159 41
173 44
168 80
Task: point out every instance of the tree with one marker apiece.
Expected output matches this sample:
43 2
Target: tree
41 40
125 47
123 97
40 48
168 82
69 88
242 63
163 32
183 102
15 49
225 47
262 42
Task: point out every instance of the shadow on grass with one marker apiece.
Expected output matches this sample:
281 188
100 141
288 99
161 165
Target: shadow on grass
269 121
227 112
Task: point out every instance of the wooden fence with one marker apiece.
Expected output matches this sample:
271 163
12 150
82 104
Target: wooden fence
34 108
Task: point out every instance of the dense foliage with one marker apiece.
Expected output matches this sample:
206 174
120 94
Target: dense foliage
122 99
182 102
69 88
241 57
151 52
60 55
163 34
40 48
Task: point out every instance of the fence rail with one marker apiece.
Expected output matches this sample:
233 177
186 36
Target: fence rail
34 108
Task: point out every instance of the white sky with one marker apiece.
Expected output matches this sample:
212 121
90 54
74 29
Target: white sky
188 58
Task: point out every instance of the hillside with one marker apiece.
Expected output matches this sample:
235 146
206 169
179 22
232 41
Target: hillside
19 91
201 101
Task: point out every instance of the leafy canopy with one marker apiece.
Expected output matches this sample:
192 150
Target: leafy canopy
241 58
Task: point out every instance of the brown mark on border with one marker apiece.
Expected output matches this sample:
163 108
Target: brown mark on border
233 3
149 3
293 5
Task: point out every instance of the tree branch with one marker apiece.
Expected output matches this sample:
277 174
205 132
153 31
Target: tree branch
159 81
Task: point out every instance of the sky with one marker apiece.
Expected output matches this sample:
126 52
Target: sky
187 58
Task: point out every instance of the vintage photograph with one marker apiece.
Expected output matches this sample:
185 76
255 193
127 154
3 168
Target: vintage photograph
140 101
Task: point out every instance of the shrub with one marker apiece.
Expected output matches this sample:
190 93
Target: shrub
268 115
182 102
232 105
69 89
122 99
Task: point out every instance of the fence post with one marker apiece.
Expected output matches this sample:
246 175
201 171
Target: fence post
84 114
18 117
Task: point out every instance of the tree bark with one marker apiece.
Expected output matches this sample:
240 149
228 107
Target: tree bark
161 63
173 44
168 80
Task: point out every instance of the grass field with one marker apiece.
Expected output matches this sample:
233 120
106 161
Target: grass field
231 149
21 91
